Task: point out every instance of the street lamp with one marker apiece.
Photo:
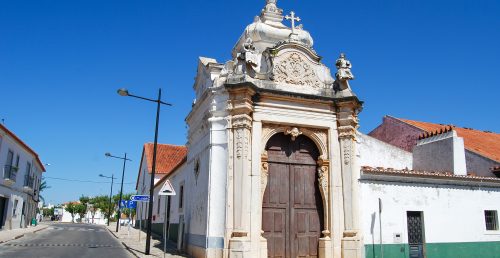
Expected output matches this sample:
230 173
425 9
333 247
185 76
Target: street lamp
110 194
125 93
121 188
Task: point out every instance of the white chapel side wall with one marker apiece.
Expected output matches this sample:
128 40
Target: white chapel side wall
452 214
205 177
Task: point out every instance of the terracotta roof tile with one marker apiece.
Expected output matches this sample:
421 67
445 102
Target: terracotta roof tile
486 144
168 157
427 174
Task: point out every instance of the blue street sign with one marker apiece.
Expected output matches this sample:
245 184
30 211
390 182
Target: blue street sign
123 204
132 205
140 198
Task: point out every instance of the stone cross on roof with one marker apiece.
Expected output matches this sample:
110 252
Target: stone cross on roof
292 18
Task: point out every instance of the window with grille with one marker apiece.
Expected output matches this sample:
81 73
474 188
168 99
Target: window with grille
491 220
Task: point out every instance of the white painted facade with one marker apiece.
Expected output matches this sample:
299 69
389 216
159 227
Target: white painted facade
376 153
20 178
453 212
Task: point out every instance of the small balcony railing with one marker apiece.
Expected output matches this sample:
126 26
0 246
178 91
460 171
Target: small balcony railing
10 173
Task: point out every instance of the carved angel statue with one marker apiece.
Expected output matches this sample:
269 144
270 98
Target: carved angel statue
344 69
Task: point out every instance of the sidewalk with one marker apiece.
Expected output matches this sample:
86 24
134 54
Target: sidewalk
8 235
136 247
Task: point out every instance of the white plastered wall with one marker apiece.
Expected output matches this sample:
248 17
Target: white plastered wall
452 213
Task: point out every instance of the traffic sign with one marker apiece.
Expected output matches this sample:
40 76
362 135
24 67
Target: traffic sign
123 204
140 198
131 205
167 189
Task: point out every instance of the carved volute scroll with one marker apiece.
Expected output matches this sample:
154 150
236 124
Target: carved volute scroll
323 182
264 173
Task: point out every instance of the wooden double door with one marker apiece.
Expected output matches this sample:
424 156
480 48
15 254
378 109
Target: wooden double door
292 210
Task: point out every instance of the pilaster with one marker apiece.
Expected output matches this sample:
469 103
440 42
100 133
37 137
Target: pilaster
352 240
241 108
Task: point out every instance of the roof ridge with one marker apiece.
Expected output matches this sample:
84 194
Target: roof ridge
442 130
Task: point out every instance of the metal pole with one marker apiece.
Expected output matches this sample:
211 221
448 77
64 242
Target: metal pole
121 192
380 225
165 228
151 186
140 223
110 196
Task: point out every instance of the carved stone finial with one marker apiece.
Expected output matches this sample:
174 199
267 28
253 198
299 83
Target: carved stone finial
294 132
271 12
344 69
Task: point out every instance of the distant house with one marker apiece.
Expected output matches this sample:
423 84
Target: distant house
169 159
482 148
21 175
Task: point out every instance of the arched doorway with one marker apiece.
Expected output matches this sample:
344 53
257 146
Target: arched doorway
292 210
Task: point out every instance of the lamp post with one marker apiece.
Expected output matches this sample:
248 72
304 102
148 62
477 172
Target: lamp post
110 194
125 93
121 188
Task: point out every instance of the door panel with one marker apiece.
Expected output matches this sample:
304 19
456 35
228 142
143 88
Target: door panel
292 206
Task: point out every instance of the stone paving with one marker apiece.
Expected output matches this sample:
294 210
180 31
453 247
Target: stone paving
131 241
8 235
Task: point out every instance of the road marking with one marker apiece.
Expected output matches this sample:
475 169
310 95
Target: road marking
61 245
77 229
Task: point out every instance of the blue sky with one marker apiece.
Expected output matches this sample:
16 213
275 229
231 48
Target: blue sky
62 61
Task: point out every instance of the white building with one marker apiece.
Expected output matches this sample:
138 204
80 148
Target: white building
275 166
169 158
19 182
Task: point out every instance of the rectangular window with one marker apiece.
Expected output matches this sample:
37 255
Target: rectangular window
8 165
491 219
14 171
27 178
181 197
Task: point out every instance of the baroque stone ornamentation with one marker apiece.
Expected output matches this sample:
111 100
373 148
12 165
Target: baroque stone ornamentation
264 173
293 69
344 68
294 132
347 152
319 136
242 142
323 182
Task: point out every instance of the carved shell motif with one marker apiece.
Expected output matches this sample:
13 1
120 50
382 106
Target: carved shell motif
294 70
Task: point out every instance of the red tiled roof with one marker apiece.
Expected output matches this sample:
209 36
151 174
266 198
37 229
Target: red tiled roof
427 174
24 145
168 158
486 144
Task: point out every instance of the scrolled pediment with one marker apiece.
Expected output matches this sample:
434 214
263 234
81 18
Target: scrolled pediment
300 66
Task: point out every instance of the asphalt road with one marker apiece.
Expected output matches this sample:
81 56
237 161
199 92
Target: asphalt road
66 240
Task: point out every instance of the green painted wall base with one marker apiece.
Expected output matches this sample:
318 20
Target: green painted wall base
438 250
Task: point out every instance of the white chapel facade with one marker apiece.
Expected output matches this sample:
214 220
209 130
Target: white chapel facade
271 167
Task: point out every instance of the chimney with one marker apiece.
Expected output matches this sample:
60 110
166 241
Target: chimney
440 151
